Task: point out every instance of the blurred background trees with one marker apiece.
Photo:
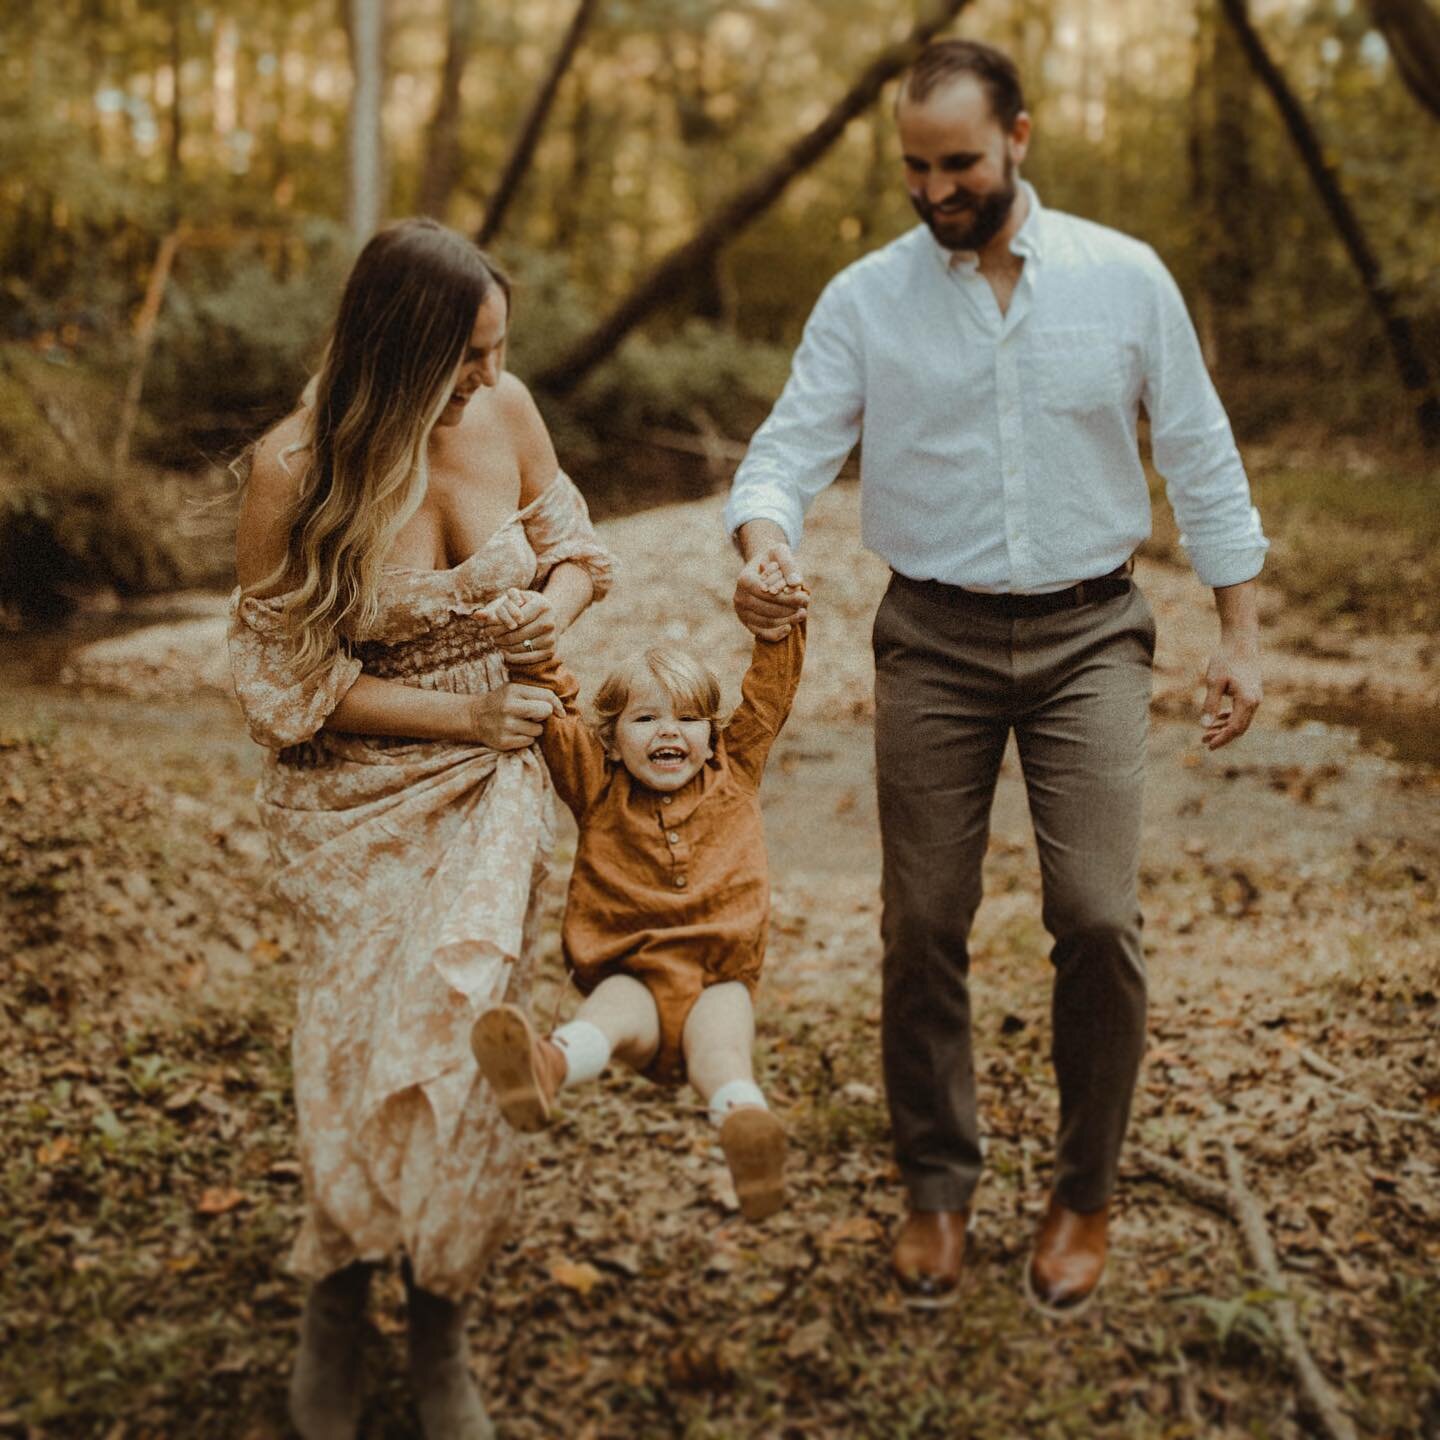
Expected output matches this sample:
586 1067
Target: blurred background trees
271 133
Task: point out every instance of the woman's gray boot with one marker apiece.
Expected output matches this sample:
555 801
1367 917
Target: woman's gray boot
449 1401
325 1394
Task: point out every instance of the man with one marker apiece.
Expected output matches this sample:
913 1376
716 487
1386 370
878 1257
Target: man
995 358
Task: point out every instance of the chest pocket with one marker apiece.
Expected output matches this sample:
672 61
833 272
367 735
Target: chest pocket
1078 369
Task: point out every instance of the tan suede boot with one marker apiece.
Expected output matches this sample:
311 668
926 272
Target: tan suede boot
524 1071
445 1391
754 1144
325 1394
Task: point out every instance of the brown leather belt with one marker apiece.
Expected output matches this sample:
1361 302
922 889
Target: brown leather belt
1018 607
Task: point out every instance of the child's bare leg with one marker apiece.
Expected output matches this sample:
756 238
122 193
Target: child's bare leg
619 1018
718 1041
624 1012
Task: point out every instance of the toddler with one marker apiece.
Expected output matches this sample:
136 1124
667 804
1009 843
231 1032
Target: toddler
666 915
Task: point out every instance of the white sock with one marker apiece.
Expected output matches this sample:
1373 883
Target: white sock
732 1096
586 1050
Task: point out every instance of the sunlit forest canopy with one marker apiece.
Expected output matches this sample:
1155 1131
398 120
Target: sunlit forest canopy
121 120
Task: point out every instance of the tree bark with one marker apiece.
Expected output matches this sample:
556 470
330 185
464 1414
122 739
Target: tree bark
529 137
1409 360
442 150
366 31
743 207
1412 31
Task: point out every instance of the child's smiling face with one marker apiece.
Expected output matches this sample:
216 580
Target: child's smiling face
660 746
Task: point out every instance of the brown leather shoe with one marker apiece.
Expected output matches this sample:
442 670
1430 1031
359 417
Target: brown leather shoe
524 1071
1065 1266
927 1257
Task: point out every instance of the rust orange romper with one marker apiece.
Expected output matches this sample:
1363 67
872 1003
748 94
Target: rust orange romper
673 888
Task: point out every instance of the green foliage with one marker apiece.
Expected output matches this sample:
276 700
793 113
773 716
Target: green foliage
240 340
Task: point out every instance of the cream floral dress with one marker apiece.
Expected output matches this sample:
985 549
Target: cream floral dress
412 868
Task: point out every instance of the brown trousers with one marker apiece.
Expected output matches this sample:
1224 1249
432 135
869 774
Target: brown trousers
950 685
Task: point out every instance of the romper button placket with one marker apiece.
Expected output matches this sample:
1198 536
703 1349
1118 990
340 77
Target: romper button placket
679 882
673 837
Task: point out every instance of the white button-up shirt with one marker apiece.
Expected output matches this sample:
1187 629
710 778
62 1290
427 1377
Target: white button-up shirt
1000 450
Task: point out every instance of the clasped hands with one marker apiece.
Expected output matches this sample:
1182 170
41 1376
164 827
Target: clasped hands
522 625
771 593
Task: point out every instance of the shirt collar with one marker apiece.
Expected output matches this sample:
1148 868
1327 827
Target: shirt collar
1026 243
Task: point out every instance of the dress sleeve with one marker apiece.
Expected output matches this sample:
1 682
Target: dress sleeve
557 525
281 706
767 693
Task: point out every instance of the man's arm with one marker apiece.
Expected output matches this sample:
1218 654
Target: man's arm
793 456
1234 670
1209 491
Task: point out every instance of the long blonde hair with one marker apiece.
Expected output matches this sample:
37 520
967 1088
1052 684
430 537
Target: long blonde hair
403 328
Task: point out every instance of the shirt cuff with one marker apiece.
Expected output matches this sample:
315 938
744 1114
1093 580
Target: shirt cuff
787 513
1231 566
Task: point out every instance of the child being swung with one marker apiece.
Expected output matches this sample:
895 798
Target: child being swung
669 900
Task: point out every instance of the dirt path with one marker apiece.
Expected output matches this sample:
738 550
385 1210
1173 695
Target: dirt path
1290 888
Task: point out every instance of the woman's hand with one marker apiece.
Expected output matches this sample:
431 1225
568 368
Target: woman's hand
511 716
523 626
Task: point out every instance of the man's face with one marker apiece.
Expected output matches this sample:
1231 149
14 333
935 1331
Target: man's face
959 164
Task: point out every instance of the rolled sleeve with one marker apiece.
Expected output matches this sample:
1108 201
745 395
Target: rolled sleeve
1194 447
815 424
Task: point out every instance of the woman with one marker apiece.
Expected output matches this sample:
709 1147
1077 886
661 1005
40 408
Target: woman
408 815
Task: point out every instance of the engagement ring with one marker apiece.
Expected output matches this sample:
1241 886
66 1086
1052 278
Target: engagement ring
525 644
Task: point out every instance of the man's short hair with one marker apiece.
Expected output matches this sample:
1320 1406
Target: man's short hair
948 60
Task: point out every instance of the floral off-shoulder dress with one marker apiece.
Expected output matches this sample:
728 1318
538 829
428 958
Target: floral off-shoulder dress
413 869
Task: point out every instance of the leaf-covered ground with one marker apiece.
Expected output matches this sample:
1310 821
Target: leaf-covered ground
1290 885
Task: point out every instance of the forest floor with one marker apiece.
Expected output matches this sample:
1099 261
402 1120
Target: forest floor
1290 889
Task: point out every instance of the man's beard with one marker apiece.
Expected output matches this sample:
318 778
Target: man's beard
987 215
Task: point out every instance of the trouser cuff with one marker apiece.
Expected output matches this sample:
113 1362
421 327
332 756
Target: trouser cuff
940 1192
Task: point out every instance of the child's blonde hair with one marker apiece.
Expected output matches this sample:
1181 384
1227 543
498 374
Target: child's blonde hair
690 684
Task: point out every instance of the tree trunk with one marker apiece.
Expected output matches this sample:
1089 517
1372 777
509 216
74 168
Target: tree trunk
1412 31
744 206
1229 204
529 136
442 150
366 31
1414 373
570 202
177 61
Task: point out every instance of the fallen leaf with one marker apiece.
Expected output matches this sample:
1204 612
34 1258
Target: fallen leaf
581 1278
219 1200
856 1230
809 1339
55 1151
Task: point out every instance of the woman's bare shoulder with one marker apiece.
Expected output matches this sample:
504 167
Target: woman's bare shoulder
263 534
273 466
526 426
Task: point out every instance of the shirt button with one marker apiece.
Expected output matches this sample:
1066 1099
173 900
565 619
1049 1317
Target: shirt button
673 837
679 882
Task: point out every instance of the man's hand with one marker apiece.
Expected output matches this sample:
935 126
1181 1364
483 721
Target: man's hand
1232 681
1232 677
770 594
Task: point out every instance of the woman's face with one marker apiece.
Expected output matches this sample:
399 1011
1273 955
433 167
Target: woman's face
484 358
